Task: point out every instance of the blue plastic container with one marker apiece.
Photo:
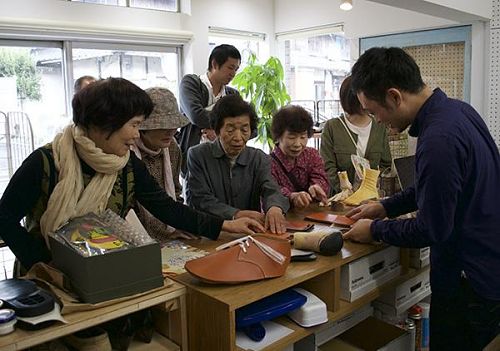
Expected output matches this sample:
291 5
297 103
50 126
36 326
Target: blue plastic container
269 308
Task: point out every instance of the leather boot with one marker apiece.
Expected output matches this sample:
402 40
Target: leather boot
368 189
121 332
145 326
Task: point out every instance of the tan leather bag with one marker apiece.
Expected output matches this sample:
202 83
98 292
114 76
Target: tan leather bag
247 259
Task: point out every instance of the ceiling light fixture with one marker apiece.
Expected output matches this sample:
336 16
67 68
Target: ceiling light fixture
345 5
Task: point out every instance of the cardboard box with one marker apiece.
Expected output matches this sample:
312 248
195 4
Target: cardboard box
305 344
335 328
420 257
112 275
337 345
359 277
371 335
405 295
390 318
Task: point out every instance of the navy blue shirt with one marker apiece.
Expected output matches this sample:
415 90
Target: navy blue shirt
457 195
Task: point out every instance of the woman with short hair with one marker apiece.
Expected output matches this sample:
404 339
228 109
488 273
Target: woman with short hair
297 168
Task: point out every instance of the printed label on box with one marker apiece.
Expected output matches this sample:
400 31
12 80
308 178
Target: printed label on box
361 271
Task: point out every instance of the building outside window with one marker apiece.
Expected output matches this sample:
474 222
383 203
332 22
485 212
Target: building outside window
144 68
246 43
315 65
163 5
33 89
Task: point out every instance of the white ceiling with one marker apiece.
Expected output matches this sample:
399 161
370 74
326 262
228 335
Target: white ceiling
455 10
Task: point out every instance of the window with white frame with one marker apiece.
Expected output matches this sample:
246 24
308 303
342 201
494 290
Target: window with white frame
32 98
145 66
33 88
163 5
315 61
36 88
31 82
32 76
246 43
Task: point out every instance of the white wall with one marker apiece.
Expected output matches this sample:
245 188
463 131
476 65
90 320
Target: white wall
482 8
365 19
480 67
455 10
494 78
65 14
87 15
248 15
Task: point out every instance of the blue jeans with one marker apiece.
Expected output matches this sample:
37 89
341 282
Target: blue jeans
463 321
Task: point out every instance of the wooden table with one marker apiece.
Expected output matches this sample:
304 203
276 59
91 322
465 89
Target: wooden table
173 294
211 308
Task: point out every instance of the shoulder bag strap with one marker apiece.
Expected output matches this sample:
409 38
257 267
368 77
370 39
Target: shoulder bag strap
356 146
289 175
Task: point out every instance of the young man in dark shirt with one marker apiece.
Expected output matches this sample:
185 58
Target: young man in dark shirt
198 94
456 192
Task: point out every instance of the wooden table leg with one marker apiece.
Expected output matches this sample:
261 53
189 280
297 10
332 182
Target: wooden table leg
211 324
184 325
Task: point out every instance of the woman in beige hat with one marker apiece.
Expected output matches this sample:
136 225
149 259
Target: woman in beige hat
160 152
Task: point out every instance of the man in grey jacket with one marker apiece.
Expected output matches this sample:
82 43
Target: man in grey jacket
229 179
198 94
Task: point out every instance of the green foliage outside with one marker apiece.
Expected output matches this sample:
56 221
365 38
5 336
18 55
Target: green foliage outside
21 65
263 85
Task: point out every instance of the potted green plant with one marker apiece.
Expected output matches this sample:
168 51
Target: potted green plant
263 85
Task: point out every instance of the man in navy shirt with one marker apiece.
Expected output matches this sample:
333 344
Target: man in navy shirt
456 193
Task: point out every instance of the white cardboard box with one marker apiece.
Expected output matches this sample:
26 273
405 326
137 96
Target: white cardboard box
405 295
335 328
370 335
359 277
420 257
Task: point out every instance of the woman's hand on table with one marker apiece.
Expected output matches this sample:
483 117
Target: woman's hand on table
360 232
243 225
300 199
318 193
371 210
275 220
258 216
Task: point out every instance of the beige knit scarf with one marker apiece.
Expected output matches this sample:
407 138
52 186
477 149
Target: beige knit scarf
70 198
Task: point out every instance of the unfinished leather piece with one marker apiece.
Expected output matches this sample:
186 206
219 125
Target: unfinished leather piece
243 260
328 218
298 226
